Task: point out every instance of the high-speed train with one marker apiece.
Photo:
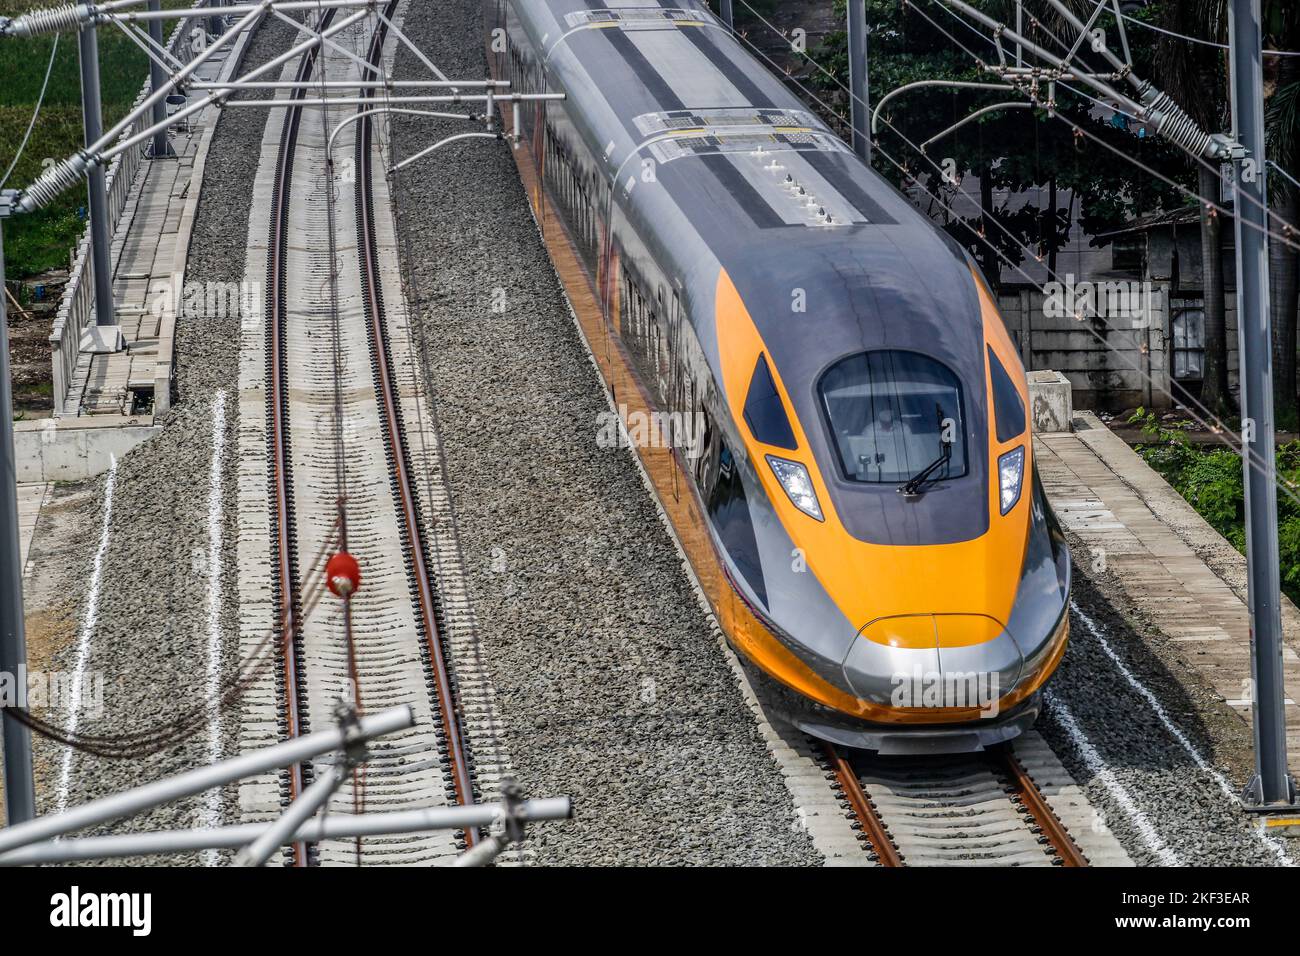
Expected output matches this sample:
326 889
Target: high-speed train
838 418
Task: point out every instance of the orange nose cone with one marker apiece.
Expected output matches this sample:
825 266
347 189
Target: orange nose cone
343 574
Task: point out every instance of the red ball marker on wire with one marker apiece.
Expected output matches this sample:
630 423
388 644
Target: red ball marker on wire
342 574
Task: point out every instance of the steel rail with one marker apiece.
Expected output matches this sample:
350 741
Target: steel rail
1031 798
403 482
278 413
873 826
1018 784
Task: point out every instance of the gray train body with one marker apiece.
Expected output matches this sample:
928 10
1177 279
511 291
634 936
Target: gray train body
671 161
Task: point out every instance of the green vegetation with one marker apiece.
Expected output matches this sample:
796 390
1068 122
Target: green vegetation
1211 481
42 241
1008 150
1012 151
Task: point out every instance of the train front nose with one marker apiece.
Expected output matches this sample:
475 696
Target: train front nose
965 661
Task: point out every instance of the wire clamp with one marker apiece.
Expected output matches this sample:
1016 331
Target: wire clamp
354 748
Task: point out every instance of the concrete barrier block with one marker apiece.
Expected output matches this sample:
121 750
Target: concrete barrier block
1051 401
56 450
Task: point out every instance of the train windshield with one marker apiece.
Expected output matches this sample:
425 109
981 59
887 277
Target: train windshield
894 413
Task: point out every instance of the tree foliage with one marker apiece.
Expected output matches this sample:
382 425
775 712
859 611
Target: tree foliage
906 47
1212 482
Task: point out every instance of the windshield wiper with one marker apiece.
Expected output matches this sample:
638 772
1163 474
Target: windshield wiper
912 487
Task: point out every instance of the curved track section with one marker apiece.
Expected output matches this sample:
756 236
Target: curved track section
1000 808
283 541
338 465
402 480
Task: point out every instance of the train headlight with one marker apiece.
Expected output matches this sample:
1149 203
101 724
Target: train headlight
1011 472
798 485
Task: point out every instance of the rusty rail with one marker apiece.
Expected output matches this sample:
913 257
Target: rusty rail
872 824
403 482
277 397
1031 798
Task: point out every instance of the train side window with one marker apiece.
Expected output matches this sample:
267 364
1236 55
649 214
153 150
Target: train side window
674 351
764 412
730 513
1008 409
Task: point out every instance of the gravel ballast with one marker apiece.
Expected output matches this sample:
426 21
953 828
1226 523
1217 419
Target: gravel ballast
1187 816
612 686
150 636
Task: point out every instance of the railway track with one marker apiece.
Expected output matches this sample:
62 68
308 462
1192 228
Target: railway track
341 473
979 810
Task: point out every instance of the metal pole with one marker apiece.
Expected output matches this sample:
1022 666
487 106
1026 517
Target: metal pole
1020 29
70 16
727 16
483 853
105 152
325 827
129 802
283 103
92 120
20 793
1101 88
350 84
179 76
298 813
443 142
161 146
1272 783
859 91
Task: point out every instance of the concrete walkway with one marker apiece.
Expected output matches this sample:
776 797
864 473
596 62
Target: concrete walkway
31 497
112 401
1176 569
149 251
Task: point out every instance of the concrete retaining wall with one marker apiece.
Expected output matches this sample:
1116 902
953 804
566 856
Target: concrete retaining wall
68 449
1051 402
1113 362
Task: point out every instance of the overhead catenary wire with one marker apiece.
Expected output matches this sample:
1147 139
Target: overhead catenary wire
1209 421
1203 42
1252 458
36 112
1218 428
172 731
183 724
1192 194
1284 174
1288 227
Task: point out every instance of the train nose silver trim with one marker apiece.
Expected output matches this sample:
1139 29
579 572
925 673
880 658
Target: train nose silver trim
879 668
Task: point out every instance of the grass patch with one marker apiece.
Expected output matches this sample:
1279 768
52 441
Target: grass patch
42 241
1211 481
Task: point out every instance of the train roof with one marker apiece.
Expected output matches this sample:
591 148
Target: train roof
745 174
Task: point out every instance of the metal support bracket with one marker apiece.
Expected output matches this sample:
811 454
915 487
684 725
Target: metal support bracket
1252 797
